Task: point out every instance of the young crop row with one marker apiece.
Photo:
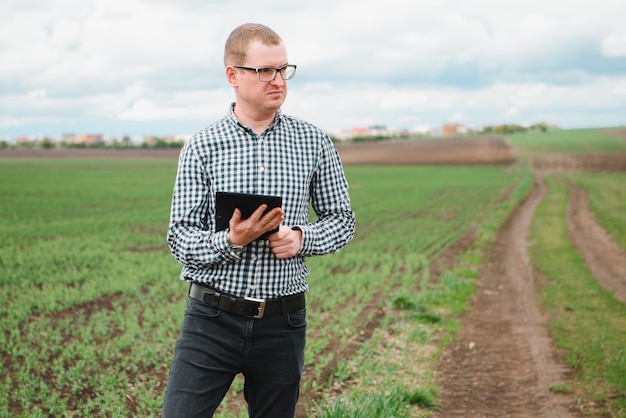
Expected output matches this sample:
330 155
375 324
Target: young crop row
91 302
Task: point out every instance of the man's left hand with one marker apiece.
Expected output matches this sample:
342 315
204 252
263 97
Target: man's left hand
286 242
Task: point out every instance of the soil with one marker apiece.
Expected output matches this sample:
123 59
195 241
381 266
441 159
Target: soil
503 361
438 151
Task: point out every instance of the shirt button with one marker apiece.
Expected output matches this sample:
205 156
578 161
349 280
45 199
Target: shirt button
262 168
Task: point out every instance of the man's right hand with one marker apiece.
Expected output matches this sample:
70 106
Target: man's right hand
244 231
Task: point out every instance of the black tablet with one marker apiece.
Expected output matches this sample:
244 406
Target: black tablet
247 203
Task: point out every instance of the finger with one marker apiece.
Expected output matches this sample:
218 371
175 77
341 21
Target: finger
282 251
258 213
274 216
279 252
236 217
271 220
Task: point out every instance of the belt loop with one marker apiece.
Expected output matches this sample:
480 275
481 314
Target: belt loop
215 303
283 305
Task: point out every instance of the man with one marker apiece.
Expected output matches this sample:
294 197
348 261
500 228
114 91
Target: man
246 309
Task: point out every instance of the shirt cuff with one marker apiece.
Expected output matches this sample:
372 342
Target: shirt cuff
220 240
306 241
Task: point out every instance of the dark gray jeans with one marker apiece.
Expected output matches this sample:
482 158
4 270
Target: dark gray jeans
214 346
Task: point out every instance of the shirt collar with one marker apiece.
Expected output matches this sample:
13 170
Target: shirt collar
231 115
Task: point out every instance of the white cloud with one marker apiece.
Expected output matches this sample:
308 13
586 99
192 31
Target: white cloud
401 63
192 105
403 107
614 45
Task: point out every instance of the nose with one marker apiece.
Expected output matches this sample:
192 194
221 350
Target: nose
278 80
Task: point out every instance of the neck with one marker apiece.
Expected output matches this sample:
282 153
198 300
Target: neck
257 121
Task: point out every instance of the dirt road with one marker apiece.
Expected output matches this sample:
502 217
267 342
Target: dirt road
504 361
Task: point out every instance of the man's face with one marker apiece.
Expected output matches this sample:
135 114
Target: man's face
259 96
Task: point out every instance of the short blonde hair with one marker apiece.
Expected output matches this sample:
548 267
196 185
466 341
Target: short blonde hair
242 36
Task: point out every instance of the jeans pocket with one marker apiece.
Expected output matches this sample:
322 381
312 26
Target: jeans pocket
297 319
201 309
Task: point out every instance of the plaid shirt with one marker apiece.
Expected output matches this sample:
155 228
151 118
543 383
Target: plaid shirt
292 159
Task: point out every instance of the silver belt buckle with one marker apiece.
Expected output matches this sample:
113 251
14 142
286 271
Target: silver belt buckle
261 310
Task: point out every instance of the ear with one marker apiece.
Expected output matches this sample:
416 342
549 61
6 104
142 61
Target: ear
232 76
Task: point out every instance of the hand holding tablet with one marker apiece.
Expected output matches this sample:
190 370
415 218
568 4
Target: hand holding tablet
247 203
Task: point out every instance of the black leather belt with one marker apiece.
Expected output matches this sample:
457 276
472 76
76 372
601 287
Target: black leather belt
250 307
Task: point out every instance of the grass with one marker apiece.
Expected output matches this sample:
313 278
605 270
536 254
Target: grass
586 321
83 270
607 201
570 141
92 304
399 357
383 405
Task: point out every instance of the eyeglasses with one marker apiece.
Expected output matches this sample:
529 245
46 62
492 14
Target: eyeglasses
267 74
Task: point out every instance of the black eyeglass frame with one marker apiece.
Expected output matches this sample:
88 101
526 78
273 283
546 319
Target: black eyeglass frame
276 71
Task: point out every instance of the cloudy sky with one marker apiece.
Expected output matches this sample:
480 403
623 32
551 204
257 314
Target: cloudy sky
134 67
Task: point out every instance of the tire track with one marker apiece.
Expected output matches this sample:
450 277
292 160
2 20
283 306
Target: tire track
603 257
504 361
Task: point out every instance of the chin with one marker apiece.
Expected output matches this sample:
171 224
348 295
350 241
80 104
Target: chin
276 103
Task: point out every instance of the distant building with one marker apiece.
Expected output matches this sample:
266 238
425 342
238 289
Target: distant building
83 140
372 131
453 129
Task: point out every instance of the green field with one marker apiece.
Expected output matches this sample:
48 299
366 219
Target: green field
91 303
571 141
